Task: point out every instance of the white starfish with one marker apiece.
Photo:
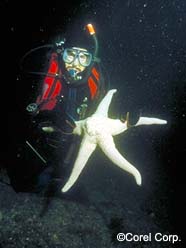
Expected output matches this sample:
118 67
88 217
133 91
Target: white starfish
98 129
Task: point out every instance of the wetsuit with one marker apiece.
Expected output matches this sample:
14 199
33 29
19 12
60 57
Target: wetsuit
40 155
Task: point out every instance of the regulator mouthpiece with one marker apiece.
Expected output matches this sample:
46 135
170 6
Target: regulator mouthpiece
73 73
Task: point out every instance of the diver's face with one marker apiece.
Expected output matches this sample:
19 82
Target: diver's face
76 60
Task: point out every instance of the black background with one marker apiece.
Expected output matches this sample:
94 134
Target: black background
142 45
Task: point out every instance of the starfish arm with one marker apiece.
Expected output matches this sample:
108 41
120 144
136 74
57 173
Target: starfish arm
107 145
150 121
85 151
103 107
116 126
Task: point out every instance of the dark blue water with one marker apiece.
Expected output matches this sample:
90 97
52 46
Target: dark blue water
143 49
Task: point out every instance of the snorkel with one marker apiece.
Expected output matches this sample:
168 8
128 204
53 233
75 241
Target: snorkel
92 32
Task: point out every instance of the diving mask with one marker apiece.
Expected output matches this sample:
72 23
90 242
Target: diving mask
83 56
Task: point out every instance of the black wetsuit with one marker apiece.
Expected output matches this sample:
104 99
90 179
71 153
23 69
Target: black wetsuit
42 155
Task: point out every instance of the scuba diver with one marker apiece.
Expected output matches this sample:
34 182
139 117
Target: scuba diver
70 90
